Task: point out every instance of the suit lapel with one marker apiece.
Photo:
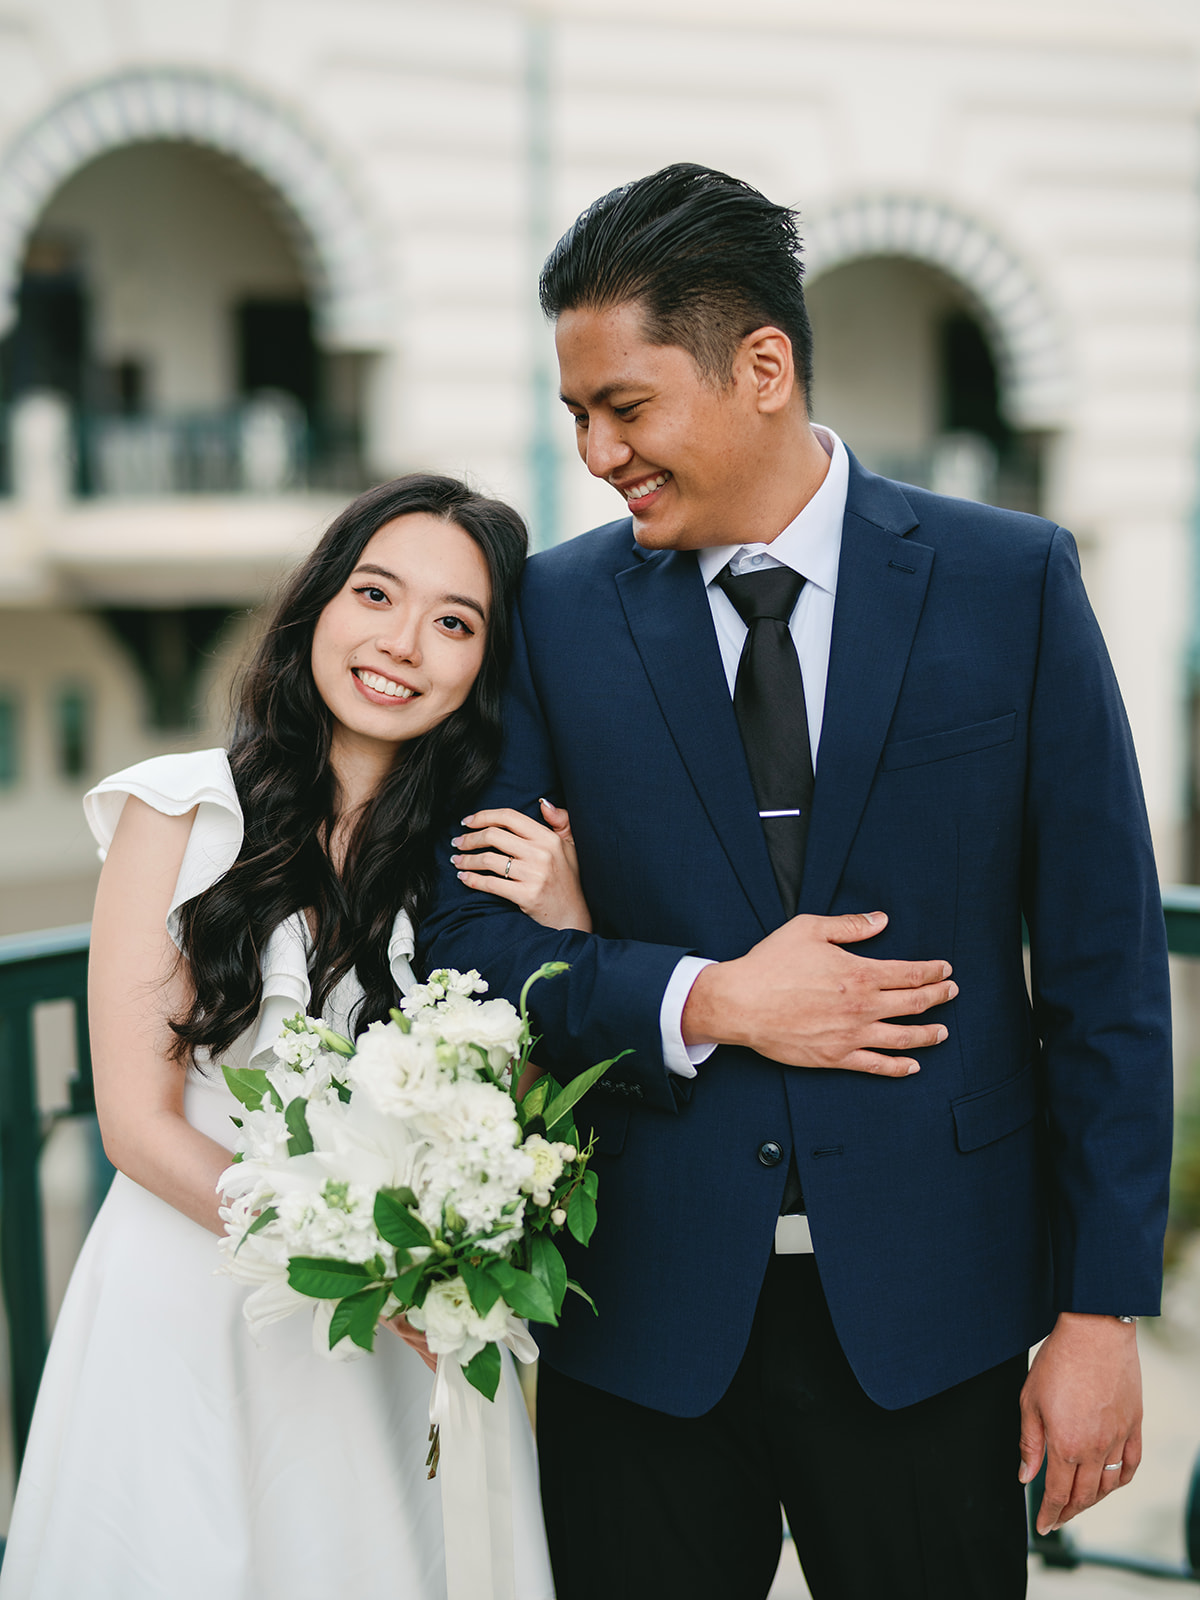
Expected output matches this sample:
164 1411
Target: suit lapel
668 615
882 579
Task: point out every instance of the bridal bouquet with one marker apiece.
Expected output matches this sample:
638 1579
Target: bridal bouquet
407 1172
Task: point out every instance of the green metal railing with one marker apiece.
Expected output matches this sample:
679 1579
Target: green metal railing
34 969
52 966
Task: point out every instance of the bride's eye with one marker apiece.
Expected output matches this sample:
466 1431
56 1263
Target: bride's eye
457 625
373 593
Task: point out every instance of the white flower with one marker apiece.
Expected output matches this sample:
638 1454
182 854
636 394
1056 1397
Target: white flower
398 1072
493 1025
472 1163
451 1324
548 1160
442 983
264 1135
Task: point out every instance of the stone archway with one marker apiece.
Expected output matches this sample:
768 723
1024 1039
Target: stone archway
350 284
1030 345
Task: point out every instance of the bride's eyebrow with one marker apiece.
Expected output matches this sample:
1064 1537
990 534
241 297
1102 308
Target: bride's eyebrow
447 599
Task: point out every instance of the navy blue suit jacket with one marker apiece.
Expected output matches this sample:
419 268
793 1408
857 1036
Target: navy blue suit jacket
975 765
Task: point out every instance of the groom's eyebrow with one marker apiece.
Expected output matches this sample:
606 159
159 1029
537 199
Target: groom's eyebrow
601 394
448 599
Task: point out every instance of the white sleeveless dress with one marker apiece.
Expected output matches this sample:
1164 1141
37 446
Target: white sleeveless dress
171 1458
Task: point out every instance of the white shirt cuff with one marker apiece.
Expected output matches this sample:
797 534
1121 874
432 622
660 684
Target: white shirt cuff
678 1057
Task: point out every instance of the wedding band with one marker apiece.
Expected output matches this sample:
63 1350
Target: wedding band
508 868
1113 1466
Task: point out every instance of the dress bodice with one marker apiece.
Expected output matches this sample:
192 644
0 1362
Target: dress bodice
201 779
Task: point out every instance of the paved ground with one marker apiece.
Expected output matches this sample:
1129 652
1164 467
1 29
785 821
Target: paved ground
1083 1584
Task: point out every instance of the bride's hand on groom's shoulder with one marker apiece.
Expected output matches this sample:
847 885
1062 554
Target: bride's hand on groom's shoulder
798 997
530 864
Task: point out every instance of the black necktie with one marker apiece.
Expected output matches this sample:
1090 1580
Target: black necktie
768 700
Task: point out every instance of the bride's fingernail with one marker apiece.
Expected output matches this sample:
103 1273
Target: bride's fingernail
456 843
461 875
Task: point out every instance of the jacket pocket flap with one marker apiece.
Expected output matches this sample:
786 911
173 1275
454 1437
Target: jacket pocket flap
610 1124
951 742
991 1113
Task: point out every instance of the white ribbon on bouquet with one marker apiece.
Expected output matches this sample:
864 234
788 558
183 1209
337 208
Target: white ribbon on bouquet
475 1467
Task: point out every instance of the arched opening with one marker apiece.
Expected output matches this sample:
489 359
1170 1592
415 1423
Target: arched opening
907 371
165 295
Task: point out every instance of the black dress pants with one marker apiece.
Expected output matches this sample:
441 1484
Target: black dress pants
917 1504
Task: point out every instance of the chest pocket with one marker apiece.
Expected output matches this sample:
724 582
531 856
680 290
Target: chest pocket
952 742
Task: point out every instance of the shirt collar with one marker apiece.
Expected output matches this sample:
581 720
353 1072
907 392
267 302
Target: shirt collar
812 543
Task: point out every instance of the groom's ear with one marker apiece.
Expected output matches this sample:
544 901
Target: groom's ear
764 363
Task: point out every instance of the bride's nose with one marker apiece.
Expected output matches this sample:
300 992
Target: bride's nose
402 642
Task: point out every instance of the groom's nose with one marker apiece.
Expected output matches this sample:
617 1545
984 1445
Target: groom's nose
607 451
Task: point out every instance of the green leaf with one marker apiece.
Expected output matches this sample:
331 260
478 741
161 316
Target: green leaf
407 1284
534 1102
326 1280
548 1267
396 1222
483 1371
481 1285
262 1220
247 1084
343 1092
581 1214
358 1316
582 1293
296 1117
591 1182
576 1089
527 1296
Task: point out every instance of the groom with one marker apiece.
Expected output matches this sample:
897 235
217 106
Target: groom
842 1189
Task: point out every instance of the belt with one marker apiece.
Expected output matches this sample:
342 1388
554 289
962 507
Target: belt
793 1236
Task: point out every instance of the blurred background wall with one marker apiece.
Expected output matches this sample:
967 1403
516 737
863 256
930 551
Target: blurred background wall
257 254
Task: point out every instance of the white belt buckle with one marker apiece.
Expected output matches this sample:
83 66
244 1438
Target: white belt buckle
793 1236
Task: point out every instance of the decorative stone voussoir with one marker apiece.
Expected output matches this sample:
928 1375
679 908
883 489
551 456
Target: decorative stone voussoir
345 259
1027 332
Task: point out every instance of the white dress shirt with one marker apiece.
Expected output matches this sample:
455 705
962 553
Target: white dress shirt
812 546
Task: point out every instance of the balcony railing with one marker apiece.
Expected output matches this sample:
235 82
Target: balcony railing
265 445
39 968
253 449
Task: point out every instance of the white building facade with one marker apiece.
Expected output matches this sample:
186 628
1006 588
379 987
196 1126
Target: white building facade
256 255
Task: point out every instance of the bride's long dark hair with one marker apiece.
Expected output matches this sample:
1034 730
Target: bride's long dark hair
289 794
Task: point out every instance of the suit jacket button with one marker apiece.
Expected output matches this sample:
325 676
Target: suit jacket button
770 1154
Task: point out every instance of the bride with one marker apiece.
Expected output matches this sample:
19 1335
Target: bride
169 1455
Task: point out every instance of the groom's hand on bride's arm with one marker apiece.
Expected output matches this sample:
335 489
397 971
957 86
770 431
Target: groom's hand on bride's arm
1081 1409
800 998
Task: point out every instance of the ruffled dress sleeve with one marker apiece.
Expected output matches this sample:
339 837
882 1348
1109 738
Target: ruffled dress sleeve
174 784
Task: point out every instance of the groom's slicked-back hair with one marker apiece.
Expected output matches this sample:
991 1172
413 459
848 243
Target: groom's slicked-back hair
708 258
